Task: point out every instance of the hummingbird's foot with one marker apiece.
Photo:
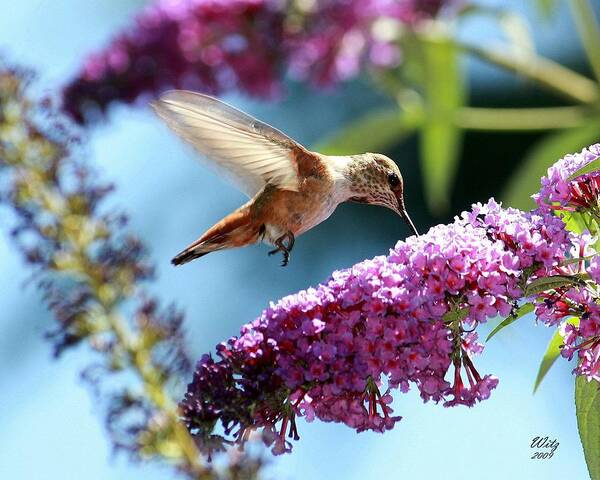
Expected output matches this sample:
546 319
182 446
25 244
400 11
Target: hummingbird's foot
284 248
286 255
286 258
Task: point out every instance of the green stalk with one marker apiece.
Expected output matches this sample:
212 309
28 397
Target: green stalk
589 32
520 119
155 389
547 73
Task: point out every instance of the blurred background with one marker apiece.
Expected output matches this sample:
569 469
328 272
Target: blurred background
51 428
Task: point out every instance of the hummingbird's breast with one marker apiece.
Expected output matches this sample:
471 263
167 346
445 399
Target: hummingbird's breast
282 211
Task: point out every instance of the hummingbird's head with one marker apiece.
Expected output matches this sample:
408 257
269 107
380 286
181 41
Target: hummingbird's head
376 180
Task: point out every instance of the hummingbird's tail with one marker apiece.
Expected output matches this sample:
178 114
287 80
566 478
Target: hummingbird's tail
235 230
188 255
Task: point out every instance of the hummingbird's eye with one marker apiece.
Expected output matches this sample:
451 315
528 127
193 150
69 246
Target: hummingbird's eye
393 179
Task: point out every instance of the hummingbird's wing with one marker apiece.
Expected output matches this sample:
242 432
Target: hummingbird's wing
246 151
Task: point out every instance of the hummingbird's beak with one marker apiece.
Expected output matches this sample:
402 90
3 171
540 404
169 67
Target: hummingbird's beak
404 214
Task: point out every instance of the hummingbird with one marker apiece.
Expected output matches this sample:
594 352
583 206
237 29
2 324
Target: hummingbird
291 188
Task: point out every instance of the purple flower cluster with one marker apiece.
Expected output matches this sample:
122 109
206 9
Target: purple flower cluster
574 305
560 191
326 352
584 339
581 336
249 45
206 45
593 269
337 38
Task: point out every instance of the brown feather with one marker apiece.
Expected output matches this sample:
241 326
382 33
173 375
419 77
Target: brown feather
235 230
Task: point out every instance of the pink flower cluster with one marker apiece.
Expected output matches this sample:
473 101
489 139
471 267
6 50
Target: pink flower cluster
560 191
575 305
584 339
339 37
216 46
398 320
577 311
206 45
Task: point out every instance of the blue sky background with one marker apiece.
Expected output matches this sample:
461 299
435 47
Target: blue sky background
49 425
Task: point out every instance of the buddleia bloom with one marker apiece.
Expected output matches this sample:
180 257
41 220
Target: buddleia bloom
562 189
574 306
215 46
400 320
575 309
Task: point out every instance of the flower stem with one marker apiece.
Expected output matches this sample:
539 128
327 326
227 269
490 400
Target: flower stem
589 32
520 119
547 73
155 390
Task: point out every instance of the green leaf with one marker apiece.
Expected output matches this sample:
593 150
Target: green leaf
552 353
455 315
521 311
375 132
549 283
575 222
546 7
440 137
526 179
588 28
587 409
590 167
